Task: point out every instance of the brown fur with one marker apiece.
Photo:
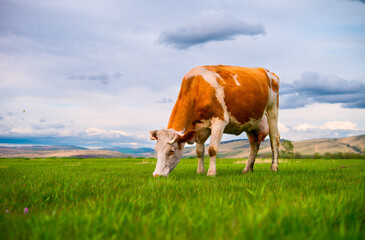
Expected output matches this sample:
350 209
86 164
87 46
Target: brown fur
154 134
212 151
243 101
187 136
197 99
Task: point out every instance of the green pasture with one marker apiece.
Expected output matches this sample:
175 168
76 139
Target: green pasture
119 199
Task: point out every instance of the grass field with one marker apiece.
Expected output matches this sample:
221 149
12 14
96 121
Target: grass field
119 199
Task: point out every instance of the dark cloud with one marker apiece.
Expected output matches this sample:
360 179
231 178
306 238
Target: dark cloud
315 88
292 101
362 1
209 26
165 100
104 78
1 118
42 120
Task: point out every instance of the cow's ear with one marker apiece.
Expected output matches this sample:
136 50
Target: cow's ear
153 135
187 137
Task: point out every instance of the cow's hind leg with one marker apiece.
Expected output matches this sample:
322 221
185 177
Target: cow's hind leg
272 117
255 142
217 129
200 140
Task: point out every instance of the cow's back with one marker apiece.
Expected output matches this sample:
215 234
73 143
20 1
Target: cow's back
246 91
226 92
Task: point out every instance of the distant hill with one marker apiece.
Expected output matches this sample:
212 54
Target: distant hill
138 152
57 151
45 148
241 148
227 149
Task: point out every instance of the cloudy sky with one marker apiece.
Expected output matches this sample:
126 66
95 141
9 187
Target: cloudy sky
103 73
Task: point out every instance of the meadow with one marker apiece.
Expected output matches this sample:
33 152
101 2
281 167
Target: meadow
119 199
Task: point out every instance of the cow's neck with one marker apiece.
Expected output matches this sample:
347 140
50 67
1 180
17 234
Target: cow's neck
181 117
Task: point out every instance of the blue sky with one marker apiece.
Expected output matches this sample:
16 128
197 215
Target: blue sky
105 73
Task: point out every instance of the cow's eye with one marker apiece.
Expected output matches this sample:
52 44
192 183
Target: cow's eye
172 151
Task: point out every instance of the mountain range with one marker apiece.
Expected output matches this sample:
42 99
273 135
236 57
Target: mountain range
241 148
227 149
57 151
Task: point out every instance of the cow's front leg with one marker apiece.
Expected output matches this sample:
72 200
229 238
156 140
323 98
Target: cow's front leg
200 154
201 136
217 129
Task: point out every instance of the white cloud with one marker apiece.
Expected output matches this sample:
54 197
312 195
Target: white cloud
128 144
93 131
283 128
335 125
119 133
91 137
331 125
304 127
113 134
27 130
22 130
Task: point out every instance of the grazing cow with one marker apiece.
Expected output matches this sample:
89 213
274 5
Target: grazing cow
220 99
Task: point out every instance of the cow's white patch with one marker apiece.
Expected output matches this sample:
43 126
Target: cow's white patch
211 78
272 95
271 76
235 79
167 160
272 98
263 124
178 132
161 166
217 129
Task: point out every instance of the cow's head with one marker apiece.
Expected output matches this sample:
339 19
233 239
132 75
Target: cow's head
169 148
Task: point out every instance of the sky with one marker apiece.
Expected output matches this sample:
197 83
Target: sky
104 73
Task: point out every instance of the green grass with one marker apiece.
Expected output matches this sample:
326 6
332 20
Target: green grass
119 199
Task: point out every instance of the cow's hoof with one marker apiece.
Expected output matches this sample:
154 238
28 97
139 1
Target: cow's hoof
200 171
246 170
211 174
274 168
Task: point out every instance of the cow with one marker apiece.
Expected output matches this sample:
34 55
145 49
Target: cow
219 99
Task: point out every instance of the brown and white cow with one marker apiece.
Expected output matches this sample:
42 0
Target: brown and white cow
220 99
